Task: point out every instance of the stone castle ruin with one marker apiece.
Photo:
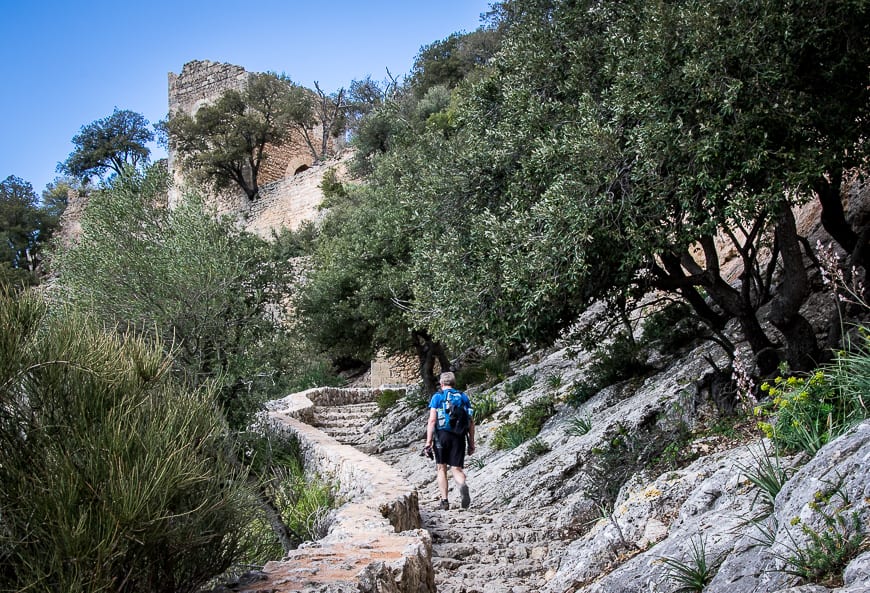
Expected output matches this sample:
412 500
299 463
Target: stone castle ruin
289 180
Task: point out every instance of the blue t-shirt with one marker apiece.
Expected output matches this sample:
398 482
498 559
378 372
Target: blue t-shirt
437 403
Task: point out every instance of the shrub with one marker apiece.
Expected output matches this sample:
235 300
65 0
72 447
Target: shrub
417 399
125 470
767 474
518 385
554 380
532 419
826 552
536 448
581 392
806 412
579 425
488 371
610 364
386 399
629 451
484 405
670 327
617 362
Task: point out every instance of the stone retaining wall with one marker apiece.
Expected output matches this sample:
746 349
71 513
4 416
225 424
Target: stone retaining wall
375 542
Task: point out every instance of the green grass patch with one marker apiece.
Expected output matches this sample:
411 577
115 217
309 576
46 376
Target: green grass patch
532 419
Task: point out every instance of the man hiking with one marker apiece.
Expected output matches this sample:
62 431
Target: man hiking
451 424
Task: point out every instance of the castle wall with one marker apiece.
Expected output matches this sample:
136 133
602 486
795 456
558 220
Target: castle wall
202 82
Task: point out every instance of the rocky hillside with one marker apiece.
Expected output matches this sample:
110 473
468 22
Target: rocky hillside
638 488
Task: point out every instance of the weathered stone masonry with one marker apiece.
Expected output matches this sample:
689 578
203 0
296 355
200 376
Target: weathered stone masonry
375 543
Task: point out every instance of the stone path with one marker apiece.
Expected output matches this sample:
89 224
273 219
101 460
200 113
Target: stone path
481 549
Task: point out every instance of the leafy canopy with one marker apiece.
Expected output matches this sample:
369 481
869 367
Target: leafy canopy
211 292
109 144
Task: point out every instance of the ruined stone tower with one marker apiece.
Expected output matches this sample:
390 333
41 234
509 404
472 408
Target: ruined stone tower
289 186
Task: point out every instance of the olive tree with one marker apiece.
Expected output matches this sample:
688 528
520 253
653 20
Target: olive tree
225 143
607 141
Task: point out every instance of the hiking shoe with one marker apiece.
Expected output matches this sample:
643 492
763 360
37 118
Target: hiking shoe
466 497
445 505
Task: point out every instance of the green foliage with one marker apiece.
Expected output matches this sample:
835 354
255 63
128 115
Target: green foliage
125 469
659 445
25 228
850 372
610 364
353 301
768 475
333 189
581 392
109 144
529 424
535 449
826 552
313 372
208 290
223 144
448 62
387 398
579 425
670 327
807 411
554 380
484 405
617 361
694 574
515 387
591 156
306 501
287 243
417 399
488 371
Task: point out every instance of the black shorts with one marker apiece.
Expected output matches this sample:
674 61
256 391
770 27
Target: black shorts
449 448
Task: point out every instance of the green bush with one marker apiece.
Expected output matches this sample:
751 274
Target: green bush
488 371
386 399
125 470
629 451
484 405
617 362
417 399
610 364
806 412
579 425
827 551
518 385
581 392
670 327
532 419
768 475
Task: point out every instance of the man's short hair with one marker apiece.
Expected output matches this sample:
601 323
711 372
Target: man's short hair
448 378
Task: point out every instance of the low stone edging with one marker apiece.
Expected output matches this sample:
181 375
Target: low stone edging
375 542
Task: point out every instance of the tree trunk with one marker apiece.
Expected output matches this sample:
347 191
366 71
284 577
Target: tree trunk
802 351
833 217
428 351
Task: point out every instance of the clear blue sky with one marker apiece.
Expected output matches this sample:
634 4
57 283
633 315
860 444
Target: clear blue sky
68 63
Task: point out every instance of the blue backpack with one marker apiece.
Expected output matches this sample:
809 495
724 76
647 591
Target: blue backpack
455 412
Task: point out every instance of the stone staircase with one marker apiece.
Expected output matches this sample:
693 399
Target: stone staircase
485 552
483 549
344 423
